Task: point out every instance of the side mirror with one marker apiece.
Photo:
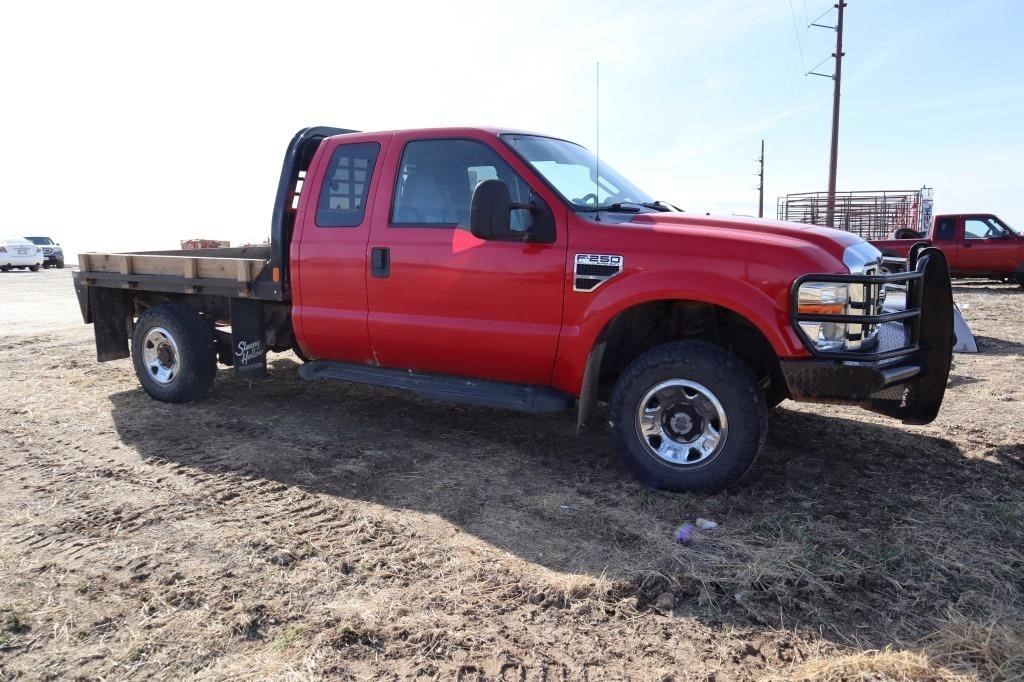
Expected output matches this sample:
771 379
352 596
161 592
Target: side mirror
490 211
490 215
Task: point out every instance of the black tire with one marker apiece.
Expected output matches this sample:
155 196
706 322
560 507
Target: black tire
730 383
60 265
45 265
5 268
34 268
195 354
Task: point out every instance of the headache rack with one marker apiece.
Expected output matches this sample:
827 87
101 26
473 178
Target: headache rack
890 343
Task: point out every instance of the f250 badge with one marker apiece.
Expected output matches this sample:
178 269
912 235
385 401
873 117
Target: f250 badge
591 270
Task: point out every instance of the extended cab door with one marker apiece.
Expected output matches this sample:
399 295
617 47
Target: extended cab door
988 247
945 235
328 259
441 300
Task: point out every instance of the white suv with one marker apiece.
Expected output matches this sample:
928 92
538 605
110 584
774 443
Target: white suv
16 252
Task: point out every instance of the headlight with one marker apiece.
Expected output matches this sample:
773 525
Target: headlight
843 298
824 298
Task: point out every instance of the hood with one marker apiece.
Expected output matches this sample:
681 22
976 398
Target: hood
830 240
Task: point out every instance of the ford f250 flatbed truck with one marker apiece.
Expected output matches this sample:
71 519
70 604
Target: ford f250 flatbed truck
975 245
511 270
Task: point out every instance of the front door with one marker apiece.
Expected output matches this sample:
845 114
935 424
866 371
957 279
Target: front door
987 247
441 300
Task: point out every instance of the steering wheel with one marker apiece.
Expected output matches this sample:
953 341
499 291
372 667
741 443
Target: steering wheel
586 198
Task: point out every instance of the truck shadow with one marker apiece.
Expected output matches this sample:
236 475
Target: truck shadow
961 286
990 345
862 532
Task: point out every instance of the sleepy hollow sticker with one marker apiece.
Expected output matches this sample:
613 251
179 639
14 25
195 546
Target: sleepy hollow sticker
248 349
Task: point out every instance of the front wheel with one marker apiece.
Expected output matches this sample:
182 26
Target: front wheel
34 268
688 416
174 354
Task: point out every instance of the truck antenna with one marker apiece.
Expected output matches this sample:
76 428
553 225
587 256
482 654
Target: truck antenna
597 143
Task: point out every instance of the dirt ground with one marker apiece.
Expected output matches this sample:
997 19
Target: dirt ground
285 529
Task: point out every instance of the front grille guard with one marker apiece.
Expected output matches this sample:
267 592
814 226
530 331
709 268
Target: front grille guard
910 279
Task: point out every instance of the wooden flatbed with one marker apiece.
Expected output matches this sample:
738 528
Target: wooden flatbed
234 272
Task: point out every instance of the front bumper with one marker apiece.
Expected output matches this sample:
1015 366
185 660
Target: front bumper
54 258
904 375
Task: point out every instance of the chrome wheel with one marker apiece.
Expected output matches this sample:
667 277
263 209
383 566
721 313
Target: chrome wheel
681 423
160 355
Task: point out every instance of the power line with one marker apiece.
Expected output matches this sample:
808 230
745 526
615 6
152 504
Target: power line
796 33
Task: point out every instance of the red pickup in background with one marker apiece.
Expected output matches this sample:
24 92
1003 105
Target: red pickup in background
975 244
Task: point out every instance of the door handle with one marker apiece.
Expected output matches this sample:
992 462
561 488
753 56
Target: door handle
380 261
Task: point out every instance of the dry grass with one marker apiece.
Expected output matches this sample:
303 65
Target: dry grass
319 531
876 666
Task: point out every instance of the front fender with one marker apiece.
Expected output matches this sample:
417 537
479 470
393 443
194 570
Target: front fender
762 305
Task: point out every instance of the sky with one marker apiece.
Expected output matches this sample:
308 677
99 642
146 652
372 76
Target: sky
133 125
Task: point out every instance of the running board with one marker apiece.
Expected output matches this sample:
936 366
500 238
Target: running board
482 392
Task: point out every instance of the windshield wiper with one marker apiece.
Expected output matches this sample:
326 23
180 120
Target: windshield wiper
628 207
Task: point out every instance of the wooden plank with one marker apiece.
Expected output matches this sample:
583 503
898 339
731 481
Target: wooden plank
190 267
242 270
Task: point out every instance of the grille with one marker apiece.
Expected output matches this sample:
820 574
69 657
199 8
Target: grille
865 299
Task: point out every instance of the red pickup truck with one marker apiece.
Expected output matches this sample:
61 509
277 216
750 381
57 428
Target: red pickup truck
513 270
975 244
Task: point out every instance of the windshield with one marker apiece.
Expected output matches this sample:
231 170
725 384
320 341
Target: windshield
1005 226
573 172
41 241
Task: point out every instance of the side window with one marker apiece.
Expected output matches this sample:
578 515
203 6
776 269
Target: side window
944 230
981 228
436 179
347 181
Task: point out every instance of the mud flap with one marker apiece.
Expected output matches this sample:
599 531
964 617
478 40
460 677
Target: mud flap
588 392
918 401
111 317
247 347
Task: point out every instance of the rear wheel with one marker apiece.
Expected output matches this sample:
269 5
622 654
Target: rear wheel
174 354
688 416
5 268
34 268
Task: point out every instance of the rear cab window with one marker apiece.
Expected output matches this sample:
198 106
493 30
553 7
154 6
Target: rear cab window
342 201
944 230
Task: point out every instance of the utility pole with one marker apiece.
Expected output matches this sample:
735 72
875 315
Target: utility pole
760 185
830 213
837 77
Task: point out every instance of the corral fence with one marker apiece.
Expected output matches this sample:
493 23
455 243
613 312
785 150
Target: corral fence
868 214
